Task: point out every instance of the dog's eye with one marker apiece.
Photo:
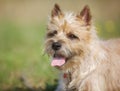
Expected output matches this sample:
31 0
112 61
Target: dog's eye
51 34
72 36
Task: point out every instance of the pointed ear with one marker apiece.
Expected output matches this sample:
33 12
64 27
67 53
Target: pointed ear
56 11
85 15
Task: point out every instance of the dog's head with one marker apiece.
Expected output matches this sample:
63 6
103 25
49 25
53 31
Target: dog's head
68 35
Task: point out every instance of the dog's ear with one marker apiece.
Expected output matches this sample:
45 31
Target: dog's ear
56 11
85 15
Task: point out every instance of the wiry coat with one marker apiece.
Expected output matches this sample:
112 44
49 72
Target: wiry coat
92 64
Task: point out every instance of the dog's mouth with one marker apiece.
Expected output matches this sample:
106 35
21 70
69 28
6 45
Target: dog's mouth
58 60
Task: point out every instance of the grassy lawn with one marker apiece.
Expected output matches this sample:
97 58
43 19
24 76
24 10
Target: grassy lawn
23 64
22 56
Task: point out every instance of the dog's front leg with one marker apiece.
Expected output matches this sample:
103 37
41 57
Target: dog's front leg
61 84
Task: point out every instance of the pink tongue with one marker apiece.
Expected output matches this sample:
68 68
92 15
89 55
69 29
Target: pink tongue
58 61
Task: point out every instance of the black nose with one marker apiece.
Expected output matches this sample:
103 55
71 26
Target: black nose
56 46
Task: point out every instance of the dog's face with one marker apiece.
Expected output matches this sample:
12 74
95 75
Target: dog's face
68 35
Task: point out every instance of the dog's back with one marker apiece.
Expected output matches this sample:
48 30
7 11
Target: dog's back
106 77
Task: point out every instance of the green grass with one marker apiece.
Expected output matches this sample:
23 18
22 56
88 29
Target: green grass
108 29
21 53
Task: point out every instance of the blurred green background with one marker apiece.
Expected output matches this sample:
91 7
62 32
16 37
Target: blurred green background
23 64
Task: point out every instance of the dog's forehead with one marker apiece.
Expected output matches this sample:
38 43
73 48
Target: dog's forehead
66 23
68 17
63 22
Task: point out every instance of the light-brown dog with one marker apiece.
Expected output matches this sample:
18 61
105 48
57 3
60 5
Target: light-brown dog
86 62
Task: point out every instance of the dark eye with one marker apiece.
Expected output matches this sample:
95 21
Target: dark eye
72 36
51 34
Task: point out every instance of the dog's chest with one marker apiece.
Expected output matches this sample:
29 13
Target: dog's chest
67 80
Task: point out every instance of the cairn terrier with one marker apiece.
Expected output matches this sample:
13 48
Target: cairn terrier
86 62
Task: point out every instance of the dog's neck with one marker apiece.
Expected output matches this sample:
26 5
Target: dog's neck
84 65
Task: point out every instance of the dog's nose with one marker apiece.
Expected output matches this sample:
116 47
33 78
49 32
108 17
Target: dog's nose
56 46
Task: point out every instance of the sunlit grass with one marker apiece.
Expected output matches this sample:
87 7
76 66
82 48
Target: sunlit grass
108 29
22 54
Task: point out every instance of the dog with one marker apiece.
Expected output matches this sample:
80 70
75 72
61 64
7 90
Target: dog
86 62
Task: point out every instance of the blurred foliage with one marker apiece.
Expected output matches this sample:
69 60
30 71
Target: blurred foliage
21 54
108 29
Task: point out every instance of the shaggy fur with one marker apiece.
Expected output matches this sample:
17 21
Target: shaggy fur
91 64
